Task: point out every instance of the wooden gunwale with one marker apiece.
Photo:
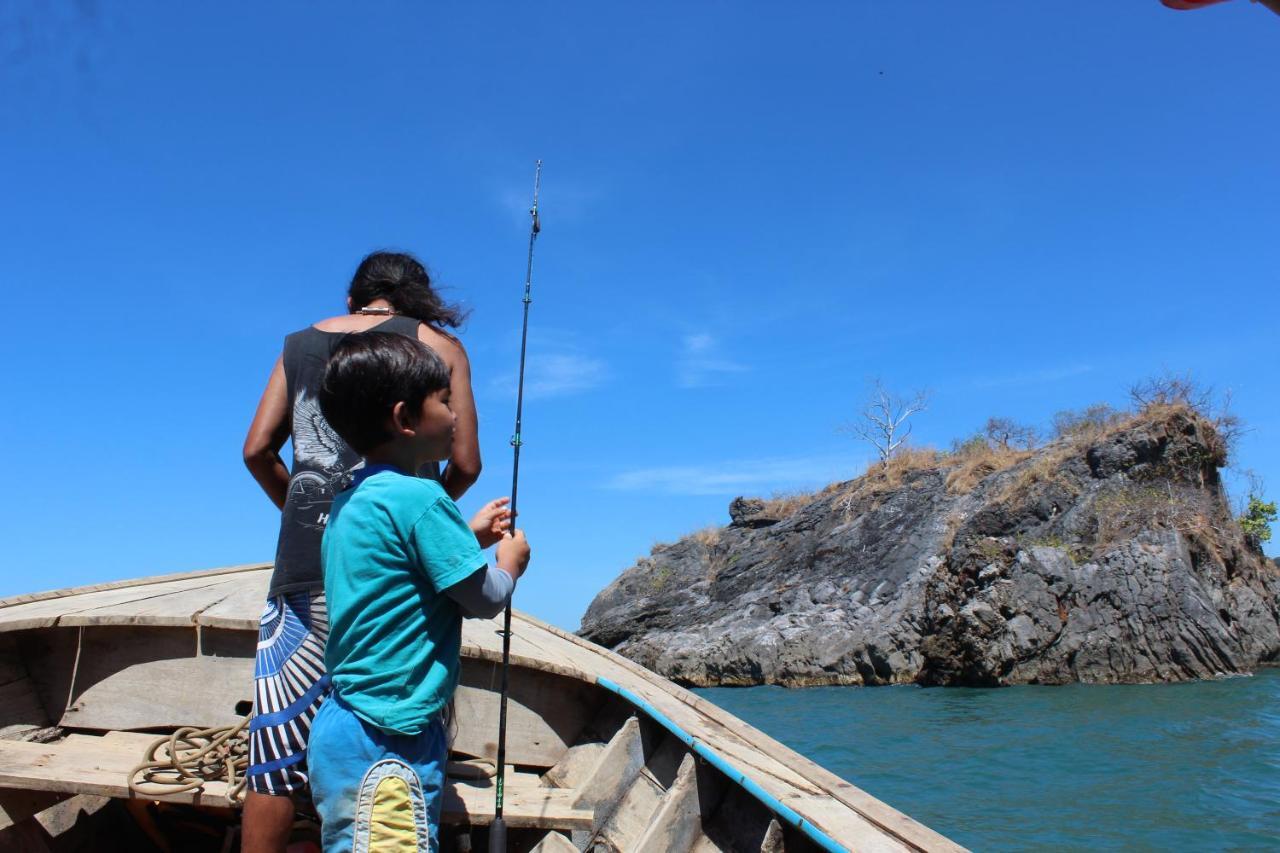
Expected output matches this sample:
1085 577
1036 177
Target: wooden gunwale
838 808
892 821
27 598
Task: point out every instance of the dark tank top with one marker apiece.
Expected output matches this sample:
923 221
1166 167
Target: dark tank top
322 461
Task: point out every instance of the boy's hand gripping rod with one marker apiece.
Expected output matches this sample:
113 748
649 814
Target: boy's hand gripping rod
498 829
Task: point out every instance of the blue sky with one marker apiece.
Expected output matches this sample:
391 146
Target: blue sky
749 211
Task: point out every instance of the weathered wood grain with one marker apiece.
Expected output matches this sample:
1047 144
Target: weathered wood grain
140 677
633 814
45 613
678 819
615 769
545 713
840 809
196 691
773 839
93 765
242 609
30 597
234 604
554 842
175 608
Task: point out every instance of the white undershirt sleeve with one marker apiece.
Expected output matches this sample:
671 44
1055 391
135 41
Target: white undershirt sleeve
484 593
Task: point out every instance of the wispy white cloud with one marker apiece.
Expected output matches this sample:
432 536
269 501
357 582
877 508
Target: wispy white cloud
739 476
556 375
562 374
702 363
566 201
1034 377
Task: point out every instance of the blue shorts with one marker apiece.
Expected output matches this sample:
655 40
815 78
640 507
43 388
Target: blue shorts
373 790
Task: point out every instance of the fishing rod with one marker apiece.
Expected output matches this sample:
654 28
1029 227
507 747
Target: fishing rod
498 829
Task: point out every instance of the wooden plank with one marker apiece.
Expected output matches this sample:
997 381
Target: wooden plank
195 691
616 788
581 759
778 769
616 768
171 608
142 676
678 820
836 806
48 612
135 742
773 840
70 817
554 842
859 835
545 713
530 740
482 640
633 814
522 806
89 765
242 609
471 652
83 769
575 764
28 598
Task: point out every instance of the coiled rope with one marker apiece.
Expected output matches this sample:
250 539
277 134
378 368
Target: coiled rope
186 759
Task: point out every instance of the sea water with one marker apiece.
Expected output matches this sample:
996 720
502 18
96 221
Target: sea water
1080 767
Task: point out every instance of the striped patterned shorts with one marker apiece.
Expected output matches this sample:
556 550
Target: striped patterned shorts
290 682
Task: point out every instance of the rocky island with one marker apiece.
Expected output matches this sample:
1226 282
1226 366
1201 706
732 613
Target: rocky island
1109 555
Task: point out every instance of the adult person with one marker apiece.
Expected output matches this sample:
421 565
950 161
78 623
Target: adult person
392 292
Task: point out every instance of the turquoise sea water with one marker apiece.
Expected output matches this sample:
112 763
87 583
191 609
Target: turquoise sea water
1082 767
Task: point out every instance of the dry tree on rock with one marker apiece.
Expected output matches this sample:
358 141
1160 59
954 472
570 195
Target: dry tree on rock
884 419
1008 434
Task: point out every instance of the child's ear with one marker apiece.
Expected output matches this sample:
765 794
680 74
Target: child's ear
401 422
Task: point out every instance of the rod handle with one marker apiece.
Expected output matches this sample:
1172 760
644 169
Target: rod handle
498 836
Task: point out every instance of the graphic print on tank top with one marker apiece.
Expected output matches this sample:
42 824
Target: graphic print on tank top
322 462
318 453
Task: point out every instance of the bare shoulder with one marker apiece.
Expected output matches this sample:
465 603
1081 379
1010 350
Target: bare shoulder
341 323
350 323
449 347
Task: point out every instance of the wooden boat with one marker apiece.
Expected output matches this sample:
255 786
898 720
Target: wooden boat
603 754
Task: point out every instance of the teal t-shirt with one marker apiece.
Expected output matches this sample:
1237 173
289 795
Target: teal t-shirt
393 544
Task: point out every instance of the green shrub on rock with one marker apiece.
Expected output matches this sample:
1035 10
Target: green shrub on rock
1256 521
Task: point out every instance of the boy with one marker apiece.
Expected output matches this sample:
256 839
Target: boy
401 568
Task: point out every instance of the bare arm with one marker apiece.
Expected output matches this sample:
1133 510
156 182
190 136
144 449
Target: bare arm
267 434
464 459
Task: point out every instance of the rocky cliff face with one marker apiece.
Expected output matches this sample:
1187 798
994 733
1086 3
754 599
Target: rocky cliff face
1110 556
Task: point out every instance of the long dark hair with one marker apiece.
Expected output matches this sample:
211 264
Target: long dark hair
402 280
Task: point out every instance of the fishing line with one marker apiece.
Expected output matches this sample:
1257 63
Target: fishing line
498 830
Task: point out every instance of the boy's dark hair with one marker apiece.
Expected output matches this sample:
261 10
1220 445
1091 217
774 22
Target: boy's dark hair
368 373
402 280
